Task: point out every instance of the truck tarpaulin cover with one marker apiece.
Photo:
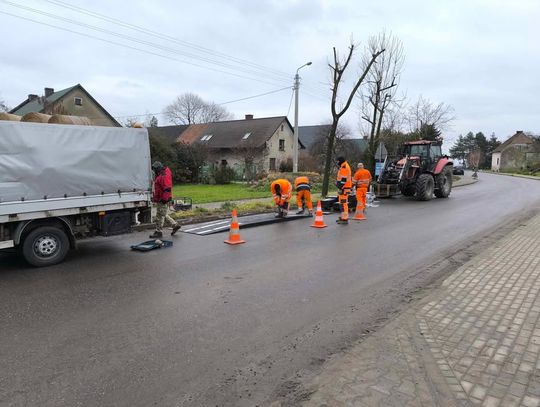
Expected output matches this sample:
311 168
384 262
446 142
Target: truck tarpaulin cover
38 160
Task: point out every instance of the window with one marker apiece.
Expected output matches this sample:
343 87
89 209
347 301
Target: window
272 164
281 144
281 127
78 101
206 137
246 136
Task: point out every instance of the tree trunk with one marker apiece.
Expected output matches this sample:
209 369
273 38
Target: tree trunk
329 156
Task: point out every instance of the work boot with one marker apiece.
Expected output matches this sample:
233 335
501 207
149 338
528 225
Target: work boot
300 211
310 214
156 235
175 229
340 221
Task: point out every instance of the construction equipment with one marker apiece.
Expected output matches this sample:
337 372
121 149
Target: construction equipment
419 170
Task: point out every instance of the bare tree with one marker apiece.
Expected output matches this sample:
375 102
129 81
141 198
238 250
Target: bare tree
3 106
252 157
190 108
132 122
474 158
338 70
425 113
382 84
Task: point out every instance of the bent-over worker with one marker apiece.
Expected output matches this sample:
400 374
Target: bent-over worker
344 185
362 180
281 192
303 193
162 197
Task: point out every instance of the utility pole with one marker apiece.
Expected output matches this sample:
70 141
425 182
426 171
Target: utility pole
295 142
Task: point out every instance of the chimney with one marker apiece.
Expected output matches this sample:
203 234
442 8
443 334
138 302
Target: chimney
249 117
48 92
519 131
32 97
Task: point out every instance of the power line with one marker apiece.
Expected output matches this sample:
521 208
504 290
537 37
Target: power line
222 103
290 103
163 36
136 40
172 39
133 48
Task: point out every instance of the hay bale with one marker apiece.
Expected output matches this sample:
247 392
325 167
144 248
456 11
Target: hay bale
35 117
10 117
65 119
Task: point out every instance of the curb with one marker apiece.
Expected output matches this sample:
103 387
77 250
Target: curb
512 175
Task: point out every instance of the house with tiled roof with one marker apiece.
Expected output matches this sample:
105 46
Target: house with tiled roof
261 144
513 153
74 101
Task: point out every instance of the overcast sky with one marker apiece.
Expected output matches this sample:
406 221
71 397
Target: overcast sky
481 57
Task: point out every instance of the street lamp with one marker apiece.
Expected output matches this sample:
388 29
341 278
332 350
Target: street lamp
295 142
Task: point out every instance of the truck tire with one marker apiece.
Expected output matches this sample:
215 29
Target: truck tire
45 246
425 184
444 183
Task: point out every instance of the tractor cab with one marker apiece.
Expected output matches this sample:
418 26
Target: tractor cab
423 152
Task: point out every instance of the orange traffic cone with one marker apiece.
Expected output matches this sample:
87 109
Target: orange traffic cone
319 221
359 214
234 231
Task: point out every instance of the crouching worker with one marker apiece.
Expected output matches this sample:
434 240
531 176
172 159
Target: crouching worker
303 195
162 197
281 191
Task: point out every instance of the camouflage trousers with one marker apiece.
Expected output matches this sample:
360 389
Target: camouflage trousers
162 217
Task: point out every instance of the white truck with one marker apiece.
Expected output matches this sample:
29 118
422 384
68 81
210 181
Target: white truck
60 183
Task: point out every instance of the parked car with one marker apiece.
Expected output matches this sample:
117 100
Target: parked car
458 170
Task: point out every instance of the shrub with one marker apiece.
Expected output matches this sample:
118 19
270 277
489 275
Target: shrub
223 175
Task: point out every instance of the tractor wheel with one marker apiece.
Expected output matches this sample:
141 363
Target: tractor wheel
444 183
424 187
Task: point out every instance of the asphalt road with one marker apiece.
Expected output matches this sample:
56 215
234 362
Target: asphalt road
204 323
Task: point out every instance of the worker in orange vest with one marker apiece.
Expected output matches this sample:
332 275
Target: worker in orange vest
361 180
303 192
344 185
281 192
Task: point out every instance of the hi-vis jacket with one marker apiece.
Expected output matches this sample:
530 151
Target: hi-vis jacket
286 190
343 179
362 178
302 184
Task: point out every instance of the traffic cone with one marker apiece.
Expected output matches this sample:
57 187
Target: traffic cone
234 231
319 221
359 214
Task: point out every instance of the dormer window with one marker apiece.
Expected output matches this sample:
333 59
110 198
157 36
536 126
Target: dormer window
206 137
246 136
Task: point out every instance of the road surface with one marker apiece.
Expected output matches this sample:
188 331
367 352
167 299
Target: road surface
204 323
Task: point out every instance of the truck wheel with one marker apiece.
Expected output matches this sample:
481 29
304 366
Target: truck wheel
45 246
424 187
444 183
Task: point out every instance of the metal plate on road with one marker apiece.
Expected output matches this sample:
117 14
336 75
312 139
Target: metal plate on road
222 225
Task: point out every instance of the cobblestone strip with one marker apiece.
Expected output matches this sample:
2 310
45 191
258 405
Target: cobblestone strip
485 331
475 341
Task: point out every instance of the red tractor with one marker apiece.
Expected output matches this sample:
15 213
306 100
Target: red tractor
419 170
